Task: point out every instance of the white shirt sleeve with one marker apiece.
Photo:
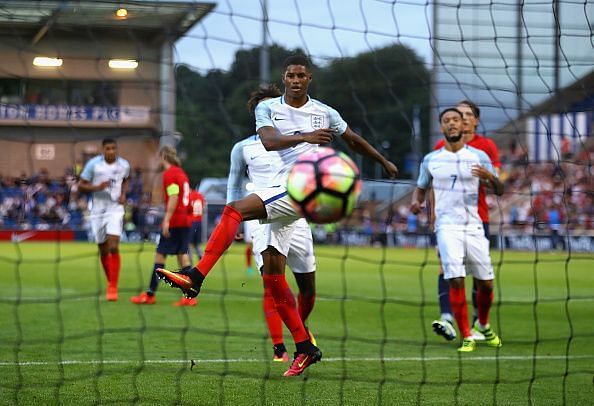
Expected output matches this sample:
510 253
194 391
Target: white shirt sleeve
486 162
263 115
127 168
236 173
424 174
336 122
88 170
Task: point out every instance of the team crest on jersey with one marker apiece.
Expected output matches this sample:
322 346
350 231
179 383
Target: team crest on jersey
317 121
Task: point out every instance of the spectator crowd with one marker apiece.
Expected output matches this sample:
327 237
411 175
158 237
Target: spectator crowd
547 196
553 198
40 202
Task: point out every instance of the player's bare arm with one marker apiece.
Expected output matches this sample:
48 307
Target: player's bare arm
273 141
488 178
418 201
431 203
359 145
169 210
124 192
87 187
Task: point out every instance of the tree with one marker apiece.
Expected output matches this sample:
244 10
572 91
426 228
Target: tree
204 122
375 92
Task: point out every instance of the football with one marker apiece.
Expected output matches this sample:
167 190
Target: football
324 185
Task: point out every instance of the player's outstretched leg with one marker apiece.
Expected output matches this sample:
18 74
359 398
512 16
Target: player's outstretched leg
188 281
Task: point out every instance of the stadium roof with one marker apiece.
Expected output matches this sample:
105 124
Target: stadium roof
146 20
578 96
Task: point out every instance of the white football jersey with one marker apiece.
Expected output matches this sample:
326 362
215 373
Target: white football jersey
96 171
455 189
288 120
249 157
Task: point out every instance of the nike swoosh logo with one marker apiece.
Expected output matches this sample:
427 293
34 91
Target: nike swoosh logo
278 119
22 237
300 364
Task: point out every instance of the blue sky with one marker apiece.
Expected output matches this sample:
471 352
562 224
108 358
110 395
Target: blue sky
358 26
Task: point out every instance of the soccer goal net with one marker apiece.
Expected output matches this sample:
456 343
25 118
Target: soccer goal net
91 91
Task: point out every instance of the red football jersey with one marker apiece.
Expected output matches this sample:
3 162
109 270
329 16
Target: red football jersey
488 147
176 180
196 206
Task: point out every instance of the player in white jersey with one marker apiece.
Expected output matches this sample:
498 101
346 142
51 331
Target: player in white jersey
455 172
250 157
106 177
291 124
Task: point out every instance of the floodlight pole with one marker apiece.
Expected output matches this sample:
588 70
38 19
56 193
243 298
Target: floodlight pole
264 52
167 94
519 58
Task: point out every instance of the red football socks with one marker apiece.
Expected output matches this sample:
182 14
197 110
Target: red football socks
483 304
106 264
221 238
111 266
306 304
114 270
460 310
286 306
273 319
248 256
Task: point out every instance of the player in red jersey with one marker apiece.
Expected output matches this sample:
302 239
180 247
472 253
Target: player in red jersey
175 228
470 120
197 203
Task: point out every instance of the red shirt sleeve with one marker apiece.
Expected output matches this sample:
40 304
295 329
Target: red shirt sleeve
493 153
439 144
180 216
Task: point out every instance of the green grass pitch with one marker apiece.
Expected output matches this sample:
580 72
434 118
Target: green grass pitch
61 342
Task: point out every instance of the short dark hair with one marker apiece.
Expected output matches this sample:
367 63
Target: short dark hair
473 106
108 141
262 93
297 60
449 109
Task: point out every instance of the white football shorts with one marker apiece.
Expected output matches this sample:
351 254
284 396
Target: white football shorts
249 228
292 239
278 204
462 251
107 222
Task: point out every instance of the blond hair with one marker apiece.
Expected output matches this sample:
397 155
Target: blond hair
169 154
